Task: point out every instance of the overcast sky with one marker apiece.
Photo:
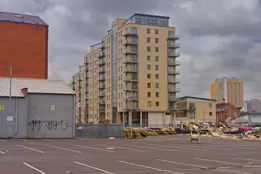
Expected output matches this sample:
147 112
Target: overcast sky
218 37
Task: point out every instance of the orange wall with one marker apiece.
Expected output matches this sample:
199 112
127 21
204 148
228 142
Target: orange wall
213 92
25 47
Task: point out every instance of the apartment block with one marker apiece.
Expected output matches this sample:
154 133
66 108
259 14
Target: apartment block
78 84
195 109
133 70
253 105
228 90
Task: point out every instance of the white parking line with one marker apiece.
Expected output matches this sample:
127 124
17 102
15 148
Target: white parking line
202 167
86 147
70 150
173 146
216 161
148 167
117 147
98 169
2 140
30 148
170 150
2 152
245 159
32 167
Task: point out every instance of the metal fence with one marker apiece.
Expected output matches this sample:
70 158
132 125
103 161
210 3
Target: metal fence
100 130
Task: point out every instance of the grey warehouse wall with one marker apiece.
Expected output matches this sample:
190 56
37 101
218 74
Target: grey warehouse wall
43 122
16 109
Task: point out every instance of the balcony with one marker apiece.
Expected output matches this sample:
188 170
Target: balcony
102 102
129 79
102 78
174 81
134 98
127 42
130 70
130 34
102 110
173 63
101 55
173 38
174 55
129 51
102 86
172 99
174 46
101 62
103 46
174 72
126 61
102 70
127 88
102 94
174 90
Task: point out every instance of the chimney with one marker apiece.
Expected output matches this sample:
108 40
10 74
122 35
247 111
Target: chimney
25 91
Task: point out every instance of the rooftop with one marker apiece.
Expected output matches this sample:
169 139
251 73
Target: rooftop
21 18
36 86
197 98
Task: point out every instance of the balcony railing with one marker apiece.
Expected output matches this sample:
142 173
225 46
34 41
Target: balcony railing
173 55
127 34
102 102
102 70
101 55
172 98
102 78
102 110
170 37
102 86
102 94
177 72
103 46
128 79
174 81
175 46
127 42
127 88
173 63
129 51
126 61
102 62
174 90
126 70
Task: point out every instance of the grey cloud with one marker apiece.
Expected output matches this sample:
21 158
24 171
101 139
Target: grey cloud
218 37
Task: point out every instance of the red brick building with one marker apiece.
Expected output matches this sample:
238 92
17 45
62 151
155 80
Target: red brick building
226 110
23 45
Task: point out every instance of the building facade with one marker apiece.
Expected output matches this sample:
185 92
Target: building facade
23 46
78 85
36 109
228 90
253 105
195 109
133 71
226 112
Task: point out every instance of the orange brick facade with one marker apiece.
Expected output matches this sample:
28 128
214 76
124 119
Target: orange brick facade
25 47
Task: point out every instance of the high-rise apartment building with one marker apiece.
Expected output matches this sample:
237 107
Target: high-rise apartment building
229 90
79 86
133 70
253 105
23 46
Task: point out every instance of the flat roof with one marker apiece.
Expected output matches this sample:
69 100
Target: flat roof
148 15
198 98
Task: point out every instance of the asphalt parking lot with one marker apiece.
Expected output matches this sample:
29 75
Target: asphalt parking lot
153 155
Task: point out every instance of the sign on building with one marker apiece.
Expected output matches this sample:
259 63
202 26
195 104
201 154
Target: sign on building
10 118
52 107
2 107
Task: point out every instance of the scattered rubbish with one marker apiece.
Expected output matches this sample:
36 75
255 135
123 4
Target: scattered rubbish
109 148
195 137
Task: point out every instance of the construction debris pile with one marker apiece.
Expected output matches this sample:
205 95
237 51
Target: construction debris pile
138 133
223 131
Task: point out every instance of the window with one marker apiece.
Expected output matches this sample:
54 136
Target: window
157 58
149 103
148 39
148 58
156 40
156 31
148 49
148 31
148 85
134 30
210 113
210 105
157 67
148 67
148 76
157 94
157 103
157 85
156 49
149 94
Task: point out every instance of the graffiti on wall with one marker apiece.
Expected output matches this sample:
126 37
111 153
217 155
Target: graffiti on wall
49 124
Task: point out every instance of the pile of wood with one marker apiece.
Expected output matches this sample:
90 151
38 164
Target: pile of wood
148 132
